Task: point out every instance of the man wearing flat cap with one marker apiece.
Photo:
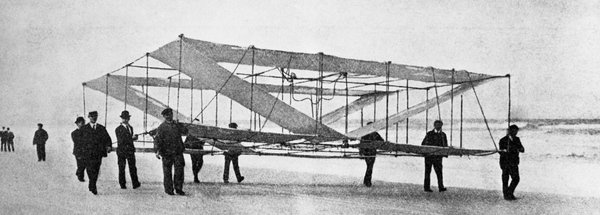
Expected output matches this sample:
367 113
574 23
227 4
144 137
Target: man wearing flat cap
168 145
126 151
39 139
80 139
98 146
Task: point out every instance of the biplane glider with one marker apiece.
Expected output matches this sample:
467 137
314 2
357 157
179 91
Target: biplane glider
308 80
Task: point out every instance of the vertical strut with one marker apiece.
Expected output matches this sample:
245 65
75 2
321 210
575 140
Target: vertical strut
407 107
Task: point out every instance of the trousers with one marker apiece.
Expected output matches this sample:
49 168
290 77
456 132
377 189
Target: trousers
370 162
80 167
128 159
511 171
173 181
236 168
92 167
41 152
436 162
197 162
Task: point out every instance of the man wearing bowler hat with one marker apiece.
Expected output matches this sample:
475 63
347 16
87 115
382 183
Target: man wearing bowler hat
168 145
98 146
80 139
126 151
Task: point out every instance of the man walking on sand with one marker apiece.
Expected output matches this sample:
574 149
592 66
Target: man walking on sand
126 151
369 154
510 147
169 146
39 139
80 139
96 148
436 137
3 139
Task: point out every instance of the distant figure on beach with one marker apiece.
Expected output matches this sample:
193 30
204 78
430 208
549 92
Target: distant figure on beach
369 153
126 151
80 139
10 137
197 159
97 148
169 146
510 146
435 137
39 139
3 139
231 156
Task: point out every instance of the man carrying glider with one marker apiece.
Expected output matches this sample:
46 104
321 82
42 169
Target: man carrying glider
126 151
80 139
98 147
169 146
231 156
39 139
510 146
369 153
436 137
197 159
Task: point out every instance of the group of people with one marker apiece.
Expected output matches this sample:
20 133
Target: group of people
510 147
92 143
7 140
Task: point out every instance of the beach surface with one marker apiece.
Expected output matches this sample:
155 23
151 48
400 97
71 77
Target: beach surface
550 184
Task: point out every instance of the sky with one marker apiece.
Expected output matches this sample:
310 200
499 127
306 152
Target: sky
551 49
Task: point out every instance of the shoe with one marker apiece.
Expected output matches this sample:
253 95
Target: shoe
123 187
94 191
180 192
196 181
241 179
136 185
225 181
368 184
512 197
170 193
81 179
428 190
442 189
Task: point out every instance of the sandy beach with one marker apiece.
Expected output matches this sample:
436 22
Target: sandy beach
278 185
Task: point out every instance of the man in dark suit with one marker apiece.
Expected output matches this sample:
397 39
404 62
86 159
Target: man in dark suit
169 146
97 148
80 139
10 141
39 139
3 139
126 151
231 156
510 147
369 154
197 158
436 137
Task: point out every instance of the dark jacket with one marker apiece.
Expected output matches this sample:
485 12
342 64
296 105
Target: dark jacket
80 139
167 140
369 138
514 147
433 138
99 141
40 137
3 136
10 136
125 140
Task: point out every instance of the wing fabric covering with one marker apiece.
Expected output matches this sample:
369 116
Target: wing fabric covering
207 72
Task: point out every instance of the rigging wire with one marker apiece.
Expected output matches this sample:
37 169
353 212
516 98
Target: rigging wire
126 85
179 71
83 87
106 103
452 108
482 113
436 94
407 107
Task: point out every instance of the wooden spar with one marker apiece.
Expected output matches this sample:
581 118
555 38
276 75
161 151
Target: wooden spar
353 107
